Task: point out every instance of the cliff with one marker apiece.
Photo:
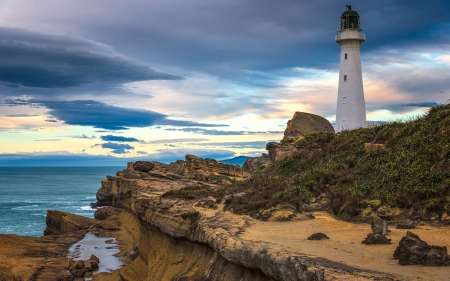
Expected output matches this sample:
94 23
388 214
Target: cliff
178 241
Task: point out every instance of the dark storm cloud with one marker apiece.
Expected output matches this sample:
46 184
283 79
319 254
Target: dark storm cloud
118 138
116 148
36 60
421 104
227 36
103 116
214 132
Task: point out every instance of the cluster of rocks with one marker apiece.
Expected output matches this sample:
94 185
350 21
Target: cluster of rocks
82 268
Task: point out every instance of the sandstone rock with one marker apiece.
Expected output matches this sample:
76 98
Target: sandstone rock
318 236
303 124
283 151
143 166
61 222
409 224
413 250
106 212
66 277
375 239
374 146
77 273
76 264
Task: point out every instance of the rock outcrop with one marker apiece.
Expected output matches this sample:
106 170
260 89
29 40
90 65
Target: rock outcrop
151 176
61 222
252 164
413 250
106 212
303 124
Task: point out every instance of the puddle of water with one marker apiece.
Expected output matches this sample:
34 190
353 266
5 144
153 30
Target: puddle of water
102 247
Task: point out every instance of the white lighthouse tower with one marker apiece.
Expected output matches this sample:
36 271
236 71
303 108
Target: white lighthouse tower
351 108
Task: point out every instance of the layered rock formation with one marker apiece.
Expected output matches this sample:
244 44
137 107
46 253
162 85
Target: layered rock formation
151 176
252 164
178 241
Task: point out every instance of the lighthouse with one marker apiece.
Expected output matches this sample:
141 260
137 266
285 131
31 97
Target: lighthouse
351 108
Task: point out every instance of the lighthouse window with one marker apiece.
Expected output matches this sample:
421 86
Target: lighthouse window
345 78
345 56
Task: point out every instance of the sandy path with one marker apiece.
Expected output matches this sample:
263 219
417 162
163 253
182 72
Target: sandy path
345 244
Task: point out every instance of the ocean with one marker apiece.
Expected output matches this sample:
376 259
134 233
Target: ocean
26 193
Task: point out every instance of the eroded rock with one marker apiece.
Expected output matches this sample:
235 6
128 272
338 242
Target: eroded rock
106 212
413 250
376 239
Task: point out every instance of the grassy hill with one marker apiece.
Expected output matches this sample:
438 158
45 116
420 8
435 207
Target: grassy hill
413 171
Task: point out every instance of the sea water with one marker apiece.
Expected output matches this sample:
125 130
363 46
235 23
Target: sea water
26 193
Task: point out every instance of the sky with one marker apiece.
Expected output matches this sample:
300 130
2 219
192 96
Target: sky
105 82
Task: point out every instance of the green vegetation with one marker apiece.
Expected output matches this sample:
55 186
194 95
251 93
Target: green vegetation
193 216
414 168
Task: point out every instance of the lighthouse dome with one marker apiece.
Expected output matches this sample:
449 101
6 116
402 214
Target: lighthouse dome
350 19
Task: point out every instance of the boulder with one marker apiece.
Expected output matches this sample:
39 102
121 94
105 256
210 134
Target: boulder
409 224
76 264
375 239
413 250
318 236
106 212
143 166
303 124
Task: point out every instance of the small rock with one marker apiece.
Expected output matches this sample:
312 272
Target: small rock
375 239
78 264
78 272
409 224
318 236
94 258
66 277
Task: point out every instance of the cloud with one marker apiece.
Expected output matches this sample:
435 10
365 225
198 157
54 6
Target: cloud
49 140
117 148
164 141
118 138
240 144
222 133
421 104
103 116
83 136
142 152
30 59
